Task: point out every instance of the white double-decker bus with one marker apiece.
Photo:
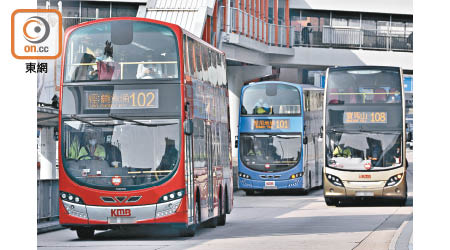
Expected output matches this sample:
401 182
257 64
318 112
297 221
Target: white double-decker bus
364 126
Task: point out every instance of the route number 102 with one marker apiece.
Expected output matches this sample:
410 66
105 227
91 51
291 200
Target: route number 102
142 99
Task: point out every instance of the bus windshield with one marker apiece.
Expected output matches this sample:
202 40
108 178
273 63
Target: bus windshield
364 86
271 99
141 152
270 153
121 50
363 150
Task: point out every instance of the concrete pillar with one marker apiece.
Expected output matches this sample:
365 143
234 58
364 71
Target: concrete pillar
289 75
47 154
300 74
237 75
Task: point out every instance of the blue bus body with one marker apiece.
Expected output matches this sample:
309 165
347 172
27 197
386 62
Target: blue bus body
300 130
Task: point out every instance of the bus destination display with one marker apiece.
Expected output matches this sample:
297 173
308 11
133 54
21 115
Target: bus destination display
122 99
365 117
271 124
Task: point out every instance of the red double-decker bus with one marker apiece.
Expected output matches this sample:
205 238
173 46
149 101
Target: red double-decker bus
144 128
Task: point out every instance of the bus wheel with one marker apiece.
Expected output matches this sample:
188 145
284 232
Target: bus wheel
402 202
190 230
222 212
303 191
330 201
249 192
211 223
85 233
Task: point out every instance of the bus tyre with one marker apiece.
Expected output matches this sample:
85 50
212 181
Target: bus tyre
303 191
211 223
249 192
222 212
402 202
85 233
321 184
190 230
330 201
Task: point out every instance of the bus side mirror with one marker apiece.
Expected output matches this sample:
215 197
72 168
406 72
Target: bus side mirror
236 142
55 134
305 140
321 132
188 127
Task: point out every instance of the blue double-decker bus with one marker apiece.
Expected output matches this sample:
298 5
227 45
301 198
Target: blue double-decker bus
279 137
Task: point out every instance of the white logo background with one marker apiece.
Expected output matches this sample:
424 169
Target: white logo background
36 30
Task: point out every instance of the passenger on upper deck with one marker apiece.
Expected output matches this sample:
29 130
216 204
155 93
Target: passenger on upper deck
148 69
261 108
83 70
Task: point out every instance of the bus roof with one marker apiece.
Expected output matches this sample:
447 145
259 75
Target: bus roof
170 25
364 67
297 85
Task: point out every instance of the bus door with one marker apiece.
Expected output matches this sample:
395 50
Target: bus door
305 160
189 176
209 163
316 160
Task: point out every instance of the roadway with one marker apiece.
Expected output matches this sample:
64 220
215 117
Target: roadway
270 221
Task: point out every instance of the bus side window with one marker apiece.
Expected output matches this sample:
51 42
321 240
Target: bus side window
205 61
219 69
333 96
306 101
214 67
198 63
191 56
185 55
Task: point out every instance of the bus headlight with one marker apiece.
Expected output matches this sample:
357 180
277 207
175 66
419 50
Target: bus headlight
169 203
297 175
335 180
70 197
178 194
246 176
167 208
394 180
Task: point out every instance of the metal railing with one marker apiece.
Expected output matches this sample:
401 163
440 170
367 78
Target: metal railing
352 38
246 24
47 199
71 21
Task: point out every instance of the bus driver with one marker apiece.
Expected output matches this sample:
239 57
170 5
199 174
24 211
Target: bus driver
91 151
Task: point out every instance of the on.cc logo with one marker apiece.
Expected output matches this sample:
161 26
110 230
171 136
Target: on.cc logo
36 29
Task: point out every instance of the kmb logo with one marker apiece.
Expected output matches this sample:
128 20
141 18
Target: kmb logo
120 212
36 34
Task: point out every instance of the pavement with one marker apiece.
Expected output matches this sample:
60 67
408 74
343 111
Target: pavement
48 226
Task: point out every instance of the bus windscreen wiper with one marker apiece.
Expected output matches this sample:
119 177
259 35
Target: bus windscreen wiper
76 117
377 131
140 123
336 130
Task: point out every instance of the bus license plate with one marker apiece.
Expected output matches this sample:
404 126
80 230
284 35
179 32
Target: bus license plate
121 220
363 193
270 185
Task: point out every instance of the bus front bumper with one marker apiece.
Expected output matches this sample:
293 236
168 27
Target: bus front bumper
374 189
270 184
80 214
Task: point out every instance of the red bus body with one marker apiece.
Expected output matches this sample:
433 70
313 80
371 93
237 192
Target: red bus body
210 177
